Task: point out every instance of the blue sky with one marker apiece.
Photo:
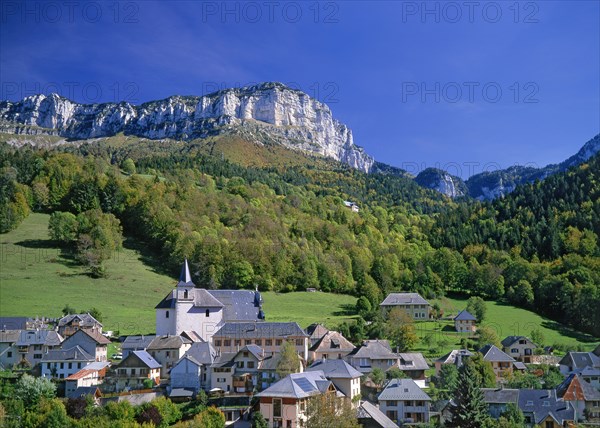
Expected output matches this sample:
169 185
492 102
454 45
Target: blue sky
468 88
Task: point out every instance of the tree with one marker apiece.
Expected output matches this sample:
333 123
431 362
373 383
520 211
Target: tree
514 415
487 336
31 390
128 166
95 312
149 414
363 306
469 409
482 370
68 309
259 421
377 377
210 418
62 227
289 361
395 373
400 330
476 306
537 337
447 378
328 411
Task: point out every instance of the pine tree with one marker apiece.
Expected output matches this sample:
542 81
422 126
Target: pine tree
469 410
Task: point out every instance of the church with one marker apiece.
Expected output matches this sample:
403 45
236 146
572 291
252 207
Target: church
188 308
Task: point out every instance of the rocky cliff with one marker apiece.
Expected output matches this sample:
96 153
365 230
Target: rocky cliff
442 181
289 116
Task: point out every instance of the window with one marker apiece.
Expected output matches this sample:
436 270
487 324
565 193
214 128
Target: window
549 424
168 354
277 407
268 342
185 294
245 354
9 354
132 372
238 342
207 314
250 364
392 403
227 342
78 365
37 347
299 342
37 356
258 342
514 351
240 364
409 403
167 314
217 342
277 342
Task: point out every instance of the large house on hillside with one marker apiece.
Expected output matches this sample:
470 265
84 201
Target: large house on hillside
412 303
187 308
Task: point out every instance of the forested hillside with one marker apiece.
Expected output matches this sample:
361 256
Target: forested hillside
286 228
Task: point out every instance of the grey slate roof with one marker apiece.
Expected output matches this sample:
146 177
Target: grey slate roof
540 403
9 336
225 360
492 353
39 337
500 395
335 369
587 390
137 342
239 305
401 390
255 350
145 358
203 352
412 361
185 279
316 331
394 299
252 330
86 320
82 391
298 385
339 342
375 350
464 315
509 340
367 410
580 360
450 358
76 353
13 323
168 342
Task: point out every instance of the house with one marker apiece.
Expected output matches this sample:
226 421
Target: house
232 336
136 343
404 402
498 400
371 354
316 332
91 375
331 345
456 357
62 363
412 303
284 403
222 370
369 416
413 365
187 308
352 206
167 350
69 324
84 391
520 348
584 398
23 323
464 322
542 407
33 344
587 364
134 370
91 341
345 377
9 354
192 371
502 363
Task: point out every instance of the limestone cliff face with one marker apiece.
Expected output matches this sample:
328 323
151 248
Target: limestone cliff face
291 117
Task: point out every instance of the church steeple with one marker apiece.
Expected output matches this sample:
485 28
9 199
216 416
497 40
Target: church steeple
185 279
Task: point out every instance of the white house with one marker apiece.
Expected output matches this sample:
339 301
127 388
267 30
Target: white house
187 308
62 363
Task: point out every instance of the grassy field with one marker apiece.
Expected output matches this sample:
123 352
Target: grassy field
36 279
506 320
307 308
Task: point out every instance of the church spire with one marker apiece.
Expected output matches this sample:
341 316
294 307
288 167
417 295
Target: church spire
185 279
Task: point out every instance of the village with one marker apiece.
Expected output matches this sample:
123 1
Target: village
221 344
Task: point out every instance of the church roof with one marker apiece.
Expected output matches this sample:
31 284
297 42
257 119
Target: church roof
185 279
